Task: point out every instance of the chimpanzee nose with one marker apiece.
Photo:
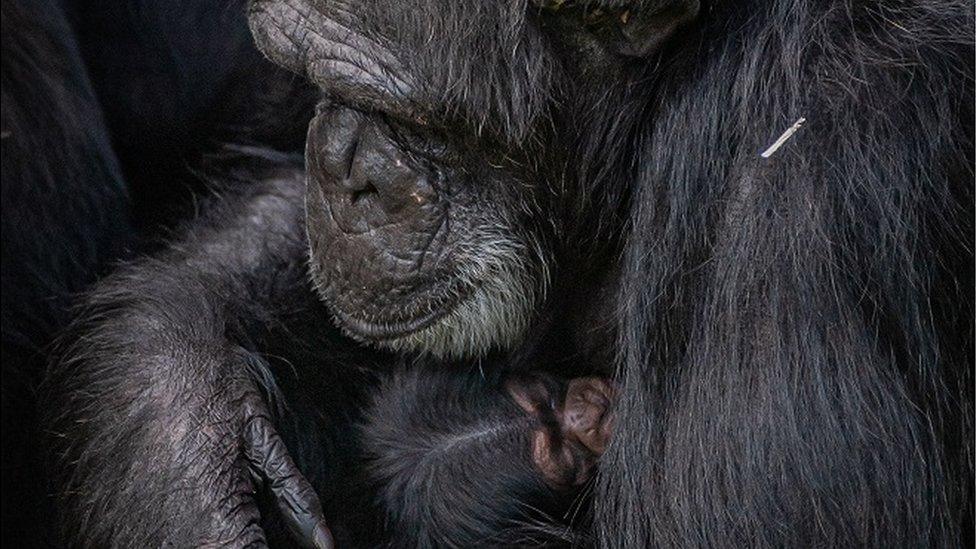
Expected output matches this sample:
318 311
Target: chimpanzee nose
367 180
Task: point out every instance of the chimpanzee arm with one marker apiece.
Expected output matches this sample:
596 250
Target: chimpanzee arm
162 433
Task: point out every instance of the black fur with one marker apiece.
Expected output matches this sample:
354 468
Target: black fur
170 347
178 83
65 216
449 459
797 331
792 336
92 169
154 312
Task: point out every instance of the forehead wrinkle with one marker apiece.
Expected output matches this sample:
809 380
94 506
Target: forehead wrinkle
482 62
351 63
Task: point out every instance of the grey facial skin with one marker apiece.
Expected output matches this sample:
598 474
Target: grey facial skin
790 333
437 184
405 247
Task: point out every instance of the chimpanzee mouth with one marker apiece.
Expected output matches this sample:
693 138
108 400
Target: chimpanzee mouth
485 305
379 329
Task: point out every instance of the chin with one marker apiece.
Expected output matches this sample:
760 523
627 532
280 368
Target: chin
494 301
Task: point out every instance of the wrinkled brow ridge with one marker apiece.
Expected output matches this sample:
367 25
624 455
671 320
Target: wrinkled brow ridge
481 63
345 64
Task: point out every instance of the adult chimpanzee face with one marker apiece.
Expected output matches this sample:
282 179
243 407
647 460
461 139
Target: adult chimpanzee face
421 219
413 243
430 217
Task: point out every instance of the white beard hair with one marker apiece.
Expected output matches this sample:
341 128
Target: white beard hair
497 314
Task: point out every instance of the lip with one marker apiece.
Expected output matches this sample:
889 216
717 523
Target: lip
396 329
379 331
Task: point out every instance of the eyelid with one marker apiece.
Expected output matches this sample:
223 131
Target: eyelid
425 141
368 98
414 136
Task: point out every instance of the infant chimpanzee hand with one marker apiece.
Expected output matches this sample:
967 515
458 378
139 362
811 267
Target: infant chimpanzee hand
457 460
574 424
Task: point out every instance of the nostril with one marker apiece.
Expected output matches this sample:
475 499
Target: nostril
361 194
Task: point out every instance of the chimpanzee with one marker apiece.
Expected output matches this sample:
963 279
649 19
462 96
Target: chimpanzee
116 114
756 215
266 413
455 460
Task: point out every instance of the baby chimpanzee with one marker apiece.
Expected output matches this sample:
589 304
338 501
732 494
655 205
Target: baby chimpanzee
457 461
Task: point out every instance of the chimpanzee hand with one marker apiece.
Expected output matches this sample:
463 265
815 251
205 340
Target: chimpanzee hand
162 433
176 456
272 465
575 432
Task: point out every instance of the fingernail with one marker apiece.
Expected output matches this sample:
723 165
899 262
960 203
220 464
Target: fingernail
322 537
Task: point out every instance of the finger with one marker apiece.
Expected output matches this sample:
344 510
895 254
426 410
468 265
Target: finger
296 500
586 413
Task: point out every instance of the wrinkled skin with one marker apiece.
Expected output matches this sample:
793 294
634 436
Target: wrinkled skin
213 445
443 217
417 242
575 426
794 341
438 217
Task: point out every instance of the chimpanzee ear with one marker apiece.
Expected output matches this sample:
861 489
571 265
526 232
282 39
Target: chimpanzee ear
635 28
